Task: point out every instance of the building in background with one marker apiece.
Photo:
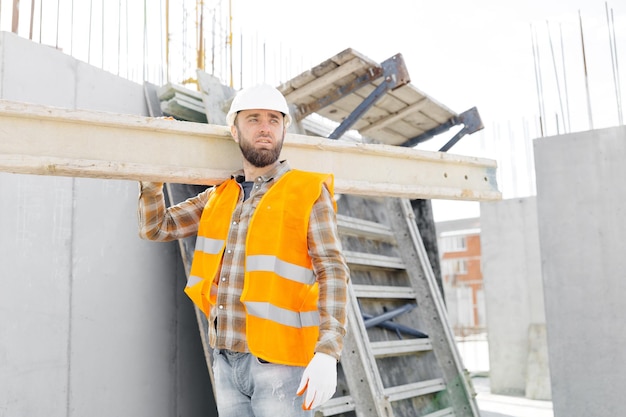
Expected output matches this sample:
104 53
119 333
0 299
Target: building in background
460 253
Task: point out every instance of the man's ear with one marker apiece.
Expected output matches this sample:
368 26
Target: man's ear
233 132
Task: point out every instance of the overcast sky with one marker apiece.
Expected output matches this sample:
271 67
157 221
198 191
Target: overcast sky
471 53
463 53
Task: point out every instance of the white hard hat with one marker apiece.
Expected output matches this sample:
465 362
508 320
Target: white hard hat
262 96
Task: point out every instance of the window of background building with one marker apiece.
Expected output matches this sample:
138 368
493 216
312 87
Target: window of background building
454 266
453 244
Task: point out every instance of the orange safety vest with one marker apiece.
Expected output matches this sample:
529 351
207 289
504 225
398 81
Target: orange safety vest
280 291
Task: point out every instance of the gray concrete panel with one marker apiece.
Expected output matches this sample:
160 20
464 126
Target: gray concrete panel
538 384
36 74
123 307
102 91
93 319
581 203
35 274
513 291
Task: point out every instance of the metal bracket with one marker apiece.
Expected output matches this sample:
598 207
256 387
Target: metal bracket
470 119
374 321
395 74
383 320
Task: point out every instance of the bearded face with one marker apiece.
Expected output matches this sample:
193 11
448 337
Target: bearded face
260 135
261 156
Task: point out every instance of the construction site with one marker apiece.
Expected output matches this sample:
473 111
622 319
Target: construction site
94 320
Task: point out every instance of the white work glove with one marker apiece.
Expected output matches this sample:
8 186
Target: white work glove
319 380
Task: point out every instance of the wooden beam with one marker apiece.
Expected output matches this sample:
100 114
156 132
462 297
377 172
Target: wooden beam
328 78
52 141
393 118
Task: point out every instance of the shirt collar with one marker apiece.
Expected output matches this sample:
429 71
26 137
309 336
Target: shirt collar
275 173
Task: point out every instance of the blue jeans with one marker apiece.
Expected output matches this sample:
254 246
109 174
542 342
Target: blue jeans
246 386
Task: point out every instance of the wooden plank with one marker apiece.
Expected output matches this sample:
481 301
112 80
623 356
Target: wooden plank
323 68
328 78
390 136
394 117
51 141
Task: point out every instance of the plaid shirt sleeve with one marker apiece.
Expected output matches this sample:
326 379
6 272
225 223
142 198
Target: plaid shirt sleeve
332 274
161 224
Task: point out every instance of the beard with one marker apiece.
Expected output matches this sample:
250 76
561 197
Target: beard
260 157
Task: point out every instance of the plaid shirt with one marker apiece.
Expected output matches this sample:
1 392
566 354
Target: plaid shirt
160 224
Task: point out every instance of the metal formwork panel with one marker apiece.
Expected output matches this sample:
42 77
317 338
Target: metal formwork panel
334 88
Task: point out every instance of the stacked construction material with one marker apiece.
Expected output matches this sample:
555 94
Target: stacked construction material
181 103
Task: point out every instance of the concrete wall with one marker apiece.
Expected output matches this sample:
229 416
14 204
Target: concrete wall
581 204
93 321
514 298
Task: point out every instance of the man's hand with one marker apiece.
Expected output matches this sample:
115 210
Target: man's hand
149 185
319 380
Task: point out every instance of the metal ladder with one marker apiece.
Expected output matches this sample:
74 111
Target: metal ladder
410 366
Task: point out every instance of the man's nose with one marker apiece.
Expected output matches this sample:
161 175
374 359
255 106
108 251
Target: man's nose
264 125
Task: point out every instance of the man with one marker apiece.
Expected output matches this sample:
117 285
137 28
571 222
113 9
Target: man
268 270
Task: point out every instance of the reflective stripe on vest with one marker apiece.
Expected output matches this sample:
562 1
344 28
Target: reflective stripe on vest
208 245
284 269
283 316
